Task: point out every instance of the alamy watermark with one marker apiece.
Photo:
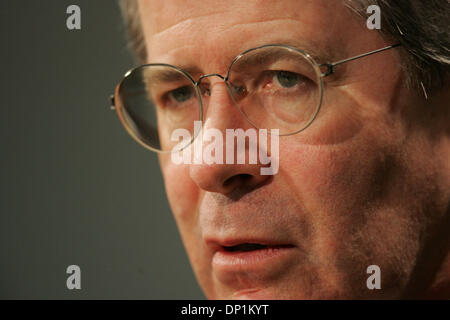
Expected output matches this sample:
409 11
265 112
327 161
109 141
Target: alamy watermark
374 20
74 280
374 281
73 21
208 147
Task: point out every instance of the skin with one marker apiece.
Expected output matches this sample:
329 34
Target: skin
367 183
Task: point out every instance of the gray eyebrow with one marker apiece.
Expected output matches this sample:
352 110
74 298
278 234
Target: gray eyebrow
162 74
266 56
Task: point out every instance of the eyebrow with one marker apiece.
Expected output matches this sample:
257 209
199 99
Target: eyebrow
319 52
164 75
267 56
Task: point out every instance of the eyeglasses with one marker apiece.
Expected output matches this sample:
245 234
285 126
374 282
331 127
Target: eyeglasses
273 86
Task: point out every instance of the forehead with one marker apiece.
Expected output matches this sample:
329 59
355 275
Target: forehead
217 31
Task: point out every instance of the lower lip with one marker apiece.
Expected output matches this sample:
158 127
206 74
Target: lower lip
266 260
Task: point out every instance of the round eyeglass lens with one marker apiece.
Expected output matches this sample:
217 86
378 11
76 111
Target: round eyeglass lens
276 87
158 105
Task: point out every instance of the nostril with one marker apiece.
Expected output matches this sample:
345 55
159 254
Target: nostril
242 178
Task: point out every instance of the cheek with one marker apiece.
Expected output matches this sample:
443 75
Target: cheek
340 118
337 186
182 192
333 180
184 196
339 163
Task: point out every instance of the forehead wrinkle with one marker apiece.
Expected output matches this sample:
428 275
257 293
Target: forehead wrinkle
254 11
318 50
205 31
179 16
182 24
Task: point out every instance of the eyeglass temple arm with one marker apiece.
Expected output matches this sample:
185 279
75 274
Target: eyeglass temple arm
330 66
113 102
112 99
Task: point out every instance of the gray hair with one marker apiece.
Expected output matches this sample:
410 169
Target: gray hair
421 26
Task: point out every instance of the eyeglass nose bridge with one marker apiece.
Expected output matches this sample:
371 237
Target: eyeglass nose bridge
208 92
227 84
210 75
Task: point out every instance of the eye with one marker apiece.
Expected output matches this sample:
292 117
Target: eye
182 94
287 79
237 89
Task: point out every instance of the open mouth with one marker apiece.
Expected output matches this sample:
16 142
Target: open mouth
253 259
245 247
261 258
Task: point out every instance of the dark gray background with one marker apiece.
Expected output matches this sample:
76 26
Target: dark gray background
75 188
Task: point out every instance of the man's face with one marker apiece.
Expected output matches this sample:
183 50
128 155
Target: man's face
351 191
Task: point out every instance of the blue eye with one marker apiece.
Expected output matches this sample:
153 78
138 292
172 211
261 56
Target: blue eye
237 89
287 79
182 94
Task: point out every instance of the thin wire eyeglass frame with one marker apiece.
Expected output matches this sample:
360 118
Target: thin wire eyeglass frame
329 70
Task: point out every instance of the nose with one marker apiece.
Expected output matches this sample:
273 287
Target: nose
222 116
